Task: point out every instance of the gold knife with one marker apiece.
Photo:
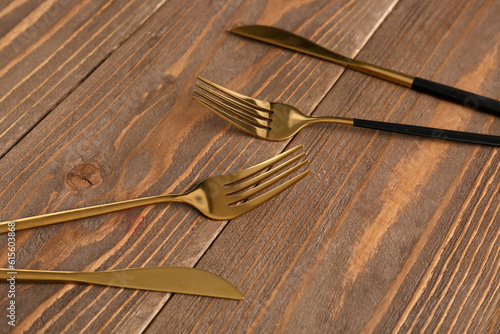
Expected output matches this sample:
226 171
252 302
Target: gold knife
294 42
189 281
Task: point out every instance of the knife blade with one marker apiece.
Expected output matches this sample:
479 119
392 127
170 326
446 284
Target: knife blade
166 279
286 39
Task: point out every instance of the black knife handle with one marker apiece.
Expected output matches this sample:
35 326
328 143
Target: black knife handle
467 99
467 137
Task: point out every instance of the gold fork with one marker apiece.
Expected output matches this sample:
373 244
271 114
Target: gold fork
278 121
167 279
220 197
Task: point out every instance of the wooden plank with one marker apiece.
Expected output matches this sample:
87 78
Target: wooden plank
49 47
391 233
131 129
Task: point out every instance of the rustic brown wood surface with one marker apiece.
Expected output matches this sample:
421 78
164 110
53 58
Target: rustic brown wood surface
389 233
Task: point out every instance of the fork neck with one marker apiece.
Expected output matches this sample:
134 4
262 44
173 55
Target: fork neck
330 119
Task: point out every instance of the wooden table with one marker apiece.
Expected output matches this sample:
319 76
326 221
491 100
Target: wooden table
389 233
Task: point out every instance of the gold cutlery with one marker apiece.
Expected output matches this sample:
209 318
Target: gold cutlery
294 42
278 121
220 197
167 279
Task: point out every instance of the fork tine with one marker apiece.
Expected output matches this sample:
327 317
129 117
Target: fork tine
238 176
255 202
253 110
255 190
253 181
251 129
253 102
248 115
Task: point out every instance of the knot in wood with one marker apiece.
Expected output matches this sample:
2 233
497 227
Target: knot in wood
82 176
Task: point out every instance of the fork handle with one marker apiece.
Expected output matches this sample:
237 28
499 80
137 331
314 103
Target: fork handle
467 99
467 137
80 213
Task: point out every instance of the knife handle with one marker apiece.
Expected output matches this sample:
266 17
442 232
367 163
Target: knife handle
467 99
467 137
43 275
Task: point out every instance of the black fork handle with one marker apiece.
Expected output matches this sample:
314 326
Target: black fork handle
466 137
467 99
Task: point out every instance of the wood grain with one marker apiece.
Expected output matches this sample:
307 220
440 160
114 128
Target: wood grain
389 233
122 124
392 233
49 47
